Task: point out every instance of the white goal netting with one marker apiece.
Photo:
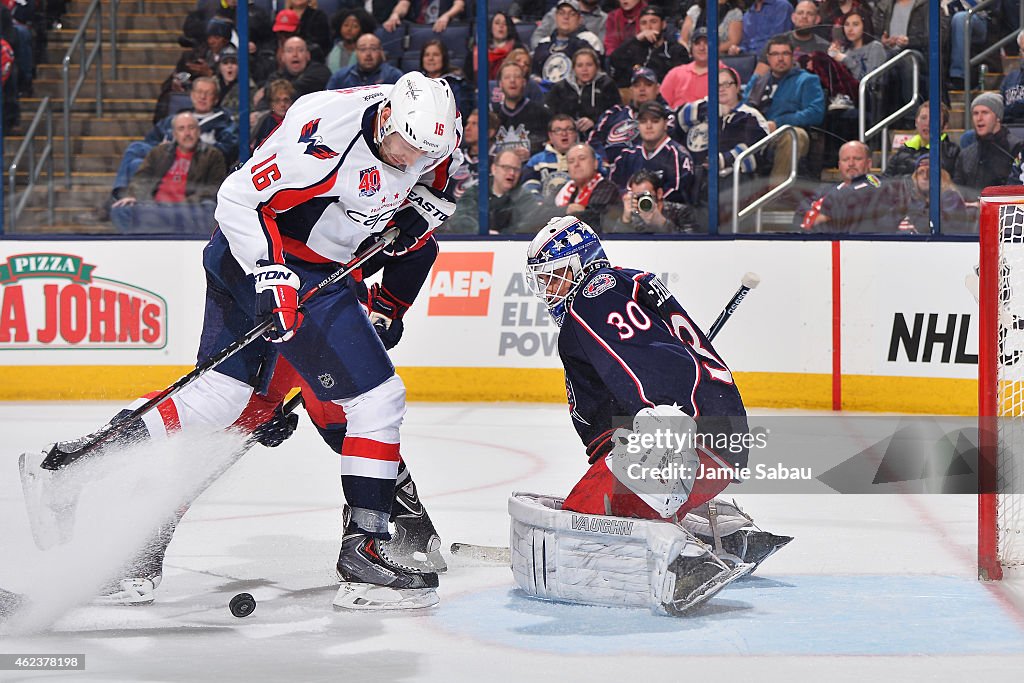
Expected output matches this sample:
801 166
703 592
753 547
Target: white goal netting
1010 388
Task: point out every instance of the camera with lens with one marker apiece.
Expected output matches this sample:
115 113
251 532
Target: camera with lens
645 202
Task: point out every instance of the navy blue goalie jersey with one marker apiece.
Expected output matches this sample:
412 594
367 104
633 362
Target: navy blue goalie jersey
627 344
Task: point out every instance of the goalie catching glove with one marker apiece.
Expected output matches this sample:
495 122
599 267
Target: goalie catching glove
277 295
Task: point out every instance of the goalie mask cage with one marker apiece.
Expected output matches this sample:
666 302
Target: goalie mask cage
1001 382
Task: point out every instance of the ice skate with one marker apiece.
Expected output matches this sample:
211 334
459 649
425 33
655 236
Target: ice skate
372 581
415 542
142 575
51 497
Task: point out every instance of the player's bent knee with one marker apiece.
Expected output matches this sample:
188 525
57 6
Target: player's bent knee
378 413
213 402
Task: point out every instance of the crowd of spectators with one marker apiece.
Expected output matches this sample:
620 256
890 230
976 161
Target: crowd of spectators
594 103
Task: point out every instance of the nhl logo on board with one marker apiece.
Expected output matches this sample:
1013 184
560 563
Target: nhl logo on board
599 285
369 181
326 380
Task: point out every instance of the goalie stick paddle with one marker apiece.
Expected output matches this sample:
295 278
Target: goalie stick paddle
63 454
748 282
501 554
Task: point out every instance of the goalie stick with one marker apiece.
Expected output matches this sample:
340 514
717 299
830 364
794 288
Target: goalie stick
64 453
500 554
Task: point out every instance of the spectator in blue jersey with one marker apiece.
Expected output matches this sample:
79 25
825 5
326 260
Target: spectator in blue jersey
740 126
523 121
546 171
762 20
657 153
593 18
552 59
617 129
369 69
1012 90
787 95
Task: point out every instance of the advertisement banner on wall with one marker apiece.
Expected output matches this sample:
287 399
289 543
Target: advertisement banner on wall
71 303
906 310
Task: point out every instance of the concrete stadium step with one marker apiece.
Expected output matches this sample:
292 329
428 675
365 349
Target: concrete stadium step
156 36
111 106
83 196
119 89
96 145
130 20
125 72
80 163
89 124
129 54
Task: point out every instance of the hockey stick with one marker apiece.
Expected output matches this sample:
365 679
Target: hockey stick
59 458
500 554
748 282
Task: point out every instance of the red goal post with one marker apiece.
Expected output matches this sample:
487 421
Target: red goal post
1001 382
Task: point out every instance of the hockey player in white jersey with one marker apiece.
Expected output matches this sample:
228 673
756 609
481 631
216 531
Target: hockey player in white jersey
341 168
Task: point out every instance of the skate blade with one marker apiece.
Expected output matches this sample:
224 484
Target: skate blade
371 597
131 593
708 590
49 519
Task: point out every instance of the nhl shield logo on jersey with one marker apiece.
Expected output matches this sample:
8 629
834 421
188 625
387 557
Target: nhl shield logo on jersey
599 285
314 145
326 380
369 181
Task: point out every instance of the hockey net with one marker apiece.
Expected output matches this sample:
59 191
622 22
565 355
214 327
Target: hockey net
1001 382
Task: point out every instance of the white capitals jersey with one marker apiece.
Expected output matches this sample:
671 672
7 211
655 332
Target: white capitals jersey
317 188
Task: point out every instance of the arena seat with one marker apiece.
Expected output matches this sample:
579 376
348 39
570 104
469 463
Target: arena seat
392 42
743 64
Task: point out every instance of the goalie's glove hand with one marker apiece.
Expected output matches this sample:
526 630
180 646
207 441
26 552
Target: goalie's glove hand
277 295
277 429
386 313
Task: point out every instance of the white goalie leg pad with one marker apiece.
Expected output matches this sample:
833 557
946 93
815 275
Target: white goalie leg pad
595 559
657 460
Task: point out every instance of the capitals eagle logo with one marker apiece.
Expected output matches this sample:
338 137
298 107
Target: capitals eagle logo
314 145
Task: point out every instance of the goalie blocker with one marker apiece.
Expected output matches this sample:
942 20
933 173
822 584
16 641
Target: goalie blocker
568 556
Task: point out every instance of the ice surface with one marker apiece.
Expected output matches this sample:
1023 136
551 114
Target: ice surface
879 586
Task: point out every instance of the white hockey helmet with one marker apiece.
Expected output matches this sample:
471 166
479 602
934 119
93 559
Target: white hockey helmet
423 113
557 259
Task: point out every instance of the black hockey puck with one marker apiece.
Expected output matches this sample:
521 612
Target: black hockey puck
242 605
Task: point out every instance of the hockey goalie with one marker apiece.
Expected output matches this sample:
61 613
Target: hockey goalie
642 527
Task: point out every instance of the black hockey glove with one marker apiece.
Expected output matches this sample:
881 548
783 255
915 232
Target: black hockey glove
386 313
277 429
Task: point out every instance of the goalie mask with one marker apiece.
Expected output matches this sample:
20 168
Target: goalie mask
559 256
420 130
